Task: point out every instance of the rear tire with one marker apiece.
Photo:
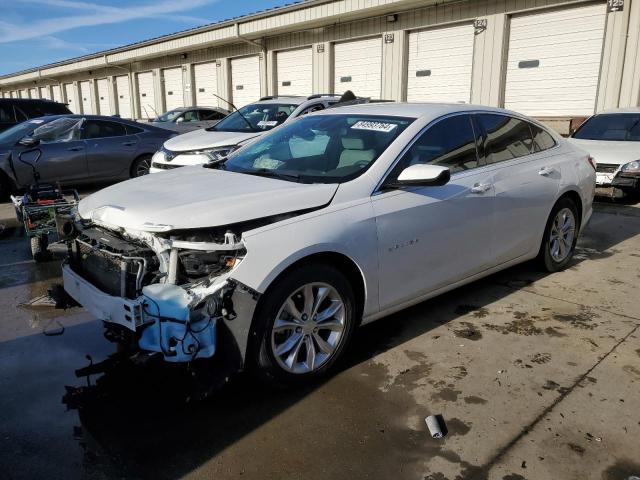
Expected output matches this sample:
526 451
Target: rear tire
560 236
141 166
314 307
39 250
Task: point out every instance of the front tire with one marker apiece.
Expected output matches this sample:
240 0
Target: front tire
304 325
141 166
560 236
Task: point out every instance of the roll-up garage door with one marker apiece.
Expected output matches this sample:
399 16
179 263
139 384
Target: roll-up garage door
14 94
294 72
554 61
358 67
57 93
440 64
33 93
24 93
245 80
123 96
71 98
206 80
173 88
146 96
104 104
44 93
85 98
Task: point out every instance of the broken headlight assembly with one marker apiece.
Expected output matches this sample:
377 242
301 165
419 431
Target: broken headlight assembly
631 167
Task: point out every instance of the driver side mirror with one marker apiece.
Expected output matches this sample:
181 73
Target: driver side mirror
29 142
424 176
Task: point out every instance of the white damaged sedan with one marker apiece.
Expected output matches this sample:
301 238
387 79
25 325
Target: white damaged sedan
272 257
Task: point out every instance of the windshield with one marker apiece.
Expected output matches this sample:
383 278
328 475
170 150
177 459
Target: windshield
612 127
258 117
319 148
15 133
169 116
60 130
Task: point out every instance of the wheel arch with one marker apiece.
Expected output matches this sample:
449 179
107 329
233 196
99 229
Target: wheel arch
346 265
138 157
575 197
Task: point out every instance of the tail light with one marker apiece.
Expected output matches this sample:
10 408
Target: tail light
592 162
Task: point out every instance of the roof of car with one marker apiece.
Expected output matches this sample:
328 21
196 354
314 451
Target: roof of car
622 110
411 110
293 99
48 118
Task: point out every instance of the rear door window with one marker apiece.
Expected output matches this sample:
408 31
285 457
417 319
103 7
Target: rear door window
542 140
101 129
505 137
6 114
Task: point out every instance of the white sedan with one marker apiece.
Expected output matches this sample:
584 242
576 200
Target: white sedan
273 257
613 139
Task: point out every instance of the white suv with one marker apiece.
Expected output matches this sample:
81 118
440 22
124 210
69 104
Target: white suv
250 121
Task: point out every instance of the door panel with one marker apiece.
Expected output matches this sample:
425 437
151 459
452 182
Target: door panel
525 184
293 72
245 80
440 64
430 237
61 161
358 67
123 96
173 88
433 236
110 151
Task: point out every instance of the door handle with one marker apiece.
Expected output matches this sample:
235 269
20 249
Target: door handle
74 149
546 171
480 187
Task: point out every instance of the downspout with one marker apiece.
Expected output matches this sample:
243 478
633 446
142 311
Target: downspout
263 49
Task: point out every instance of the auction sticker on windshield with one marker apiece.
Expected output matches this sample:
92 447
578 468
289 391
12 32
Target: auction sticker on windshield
267 123
373 126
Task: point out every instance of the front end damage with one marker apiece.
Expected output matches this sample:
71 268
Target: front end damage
165 293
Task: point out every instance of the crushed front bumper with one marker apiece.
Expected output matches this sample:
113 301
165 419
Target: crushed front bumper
164 321
118 310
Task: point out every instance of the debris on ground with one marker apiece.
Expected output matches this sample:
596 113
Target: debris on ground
436 426
45 300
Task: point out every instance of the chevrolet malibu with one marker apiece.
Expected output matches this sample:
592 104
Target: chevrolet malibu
270 258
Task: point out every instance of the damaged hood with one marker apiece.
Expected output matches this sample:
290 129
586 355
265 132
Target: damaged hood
612 152
198 197
202 139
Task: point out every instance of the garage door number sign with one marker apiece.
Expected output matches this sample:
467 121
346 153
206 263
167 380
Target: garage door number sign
615 5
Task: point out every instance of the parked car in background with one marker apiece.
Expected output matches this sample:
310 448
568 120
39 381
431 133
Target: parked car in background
17 110
185 119
75 149
250 121
275 255
613 140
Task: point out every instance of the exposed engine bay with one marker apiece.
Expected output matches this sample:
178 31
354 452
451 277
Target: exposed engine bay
166 292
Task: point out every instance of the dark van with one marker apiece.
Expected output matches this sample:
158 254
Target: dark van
17 110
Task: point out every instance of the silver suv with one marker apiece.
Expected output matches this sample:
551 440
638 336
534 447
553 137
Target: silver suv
214 143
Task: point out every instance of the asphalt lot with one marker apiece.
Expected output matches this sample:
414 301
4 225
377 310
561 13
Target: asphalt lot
536 375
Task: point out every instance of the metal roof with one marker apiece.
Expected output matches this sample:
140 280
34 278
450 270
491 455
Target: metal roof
181 33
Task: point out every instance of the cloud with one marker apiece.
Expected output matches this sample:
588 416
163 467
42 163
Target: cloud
96 15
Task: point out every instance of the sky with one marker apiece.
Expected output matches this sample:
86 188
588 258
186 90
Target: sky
38 32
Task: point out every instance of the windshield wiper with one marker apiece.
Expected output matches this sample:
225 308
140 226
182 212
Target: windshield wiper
265 172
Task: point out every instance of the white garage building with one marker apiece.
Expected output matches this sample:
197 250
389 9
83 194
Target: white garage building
552 59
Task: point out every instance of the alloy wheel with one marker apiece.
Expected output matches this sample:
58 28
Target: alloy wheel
562 234
143 166
308 328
